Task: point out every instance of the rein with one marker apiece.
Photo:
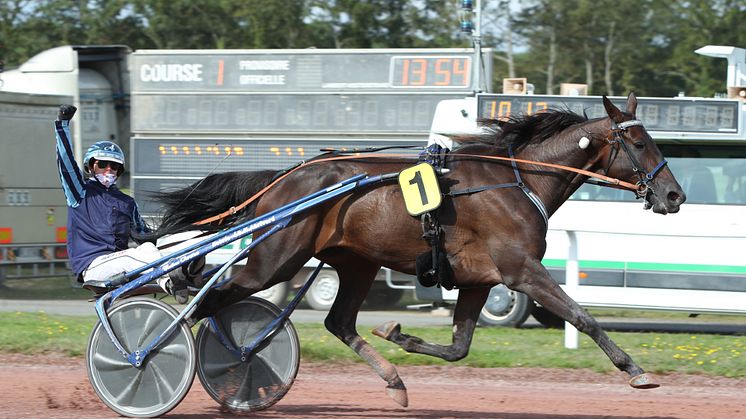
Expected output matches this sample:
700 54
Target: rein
234 209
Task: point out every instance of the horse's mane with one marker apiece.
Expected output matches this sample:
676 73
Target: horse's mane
520 130
205 198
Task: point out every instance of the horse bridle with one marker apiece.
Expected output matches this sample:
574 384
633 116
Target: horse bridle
617 133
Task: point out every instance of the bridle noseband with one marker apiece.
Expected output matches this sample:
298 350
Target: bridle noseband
617 132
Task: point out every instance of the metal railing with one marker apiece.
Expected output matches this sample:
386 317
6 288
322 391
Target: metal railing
29 261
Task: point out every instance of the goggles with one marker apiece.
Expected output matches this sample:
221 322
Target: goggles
105 164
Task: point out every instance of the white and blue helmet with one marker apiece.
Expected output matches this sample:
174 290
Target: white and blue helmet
103 150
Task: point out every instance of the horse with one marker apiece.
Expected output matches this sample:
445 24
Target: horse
491 236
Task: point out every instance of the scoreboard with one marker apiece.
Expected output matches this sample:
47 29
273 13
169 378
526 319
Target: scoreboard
374 91
682 115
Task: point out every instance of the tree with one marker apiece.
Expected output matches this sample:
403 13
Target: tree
613 46
15 44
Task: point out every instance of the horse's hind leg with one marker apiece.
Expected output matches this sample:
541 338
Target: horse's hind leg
465 315
535 281
355 280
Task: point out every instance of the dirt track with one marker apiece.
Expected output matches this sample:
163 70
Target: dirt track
52 387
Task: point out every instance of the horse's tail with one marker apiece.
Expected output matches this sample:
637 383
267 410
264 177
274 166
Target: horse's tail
208 197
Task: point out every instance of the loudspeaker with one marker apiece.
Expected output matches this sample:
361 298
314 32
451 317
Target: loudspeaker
737 92
573 89
514 86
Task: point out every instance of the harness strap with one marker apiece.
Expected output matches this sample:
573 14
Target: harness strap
539 205
529 194
469 191
656 169
626 124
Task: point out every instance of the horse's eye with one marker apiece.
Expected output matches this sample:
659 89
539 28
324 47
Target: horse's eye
639 145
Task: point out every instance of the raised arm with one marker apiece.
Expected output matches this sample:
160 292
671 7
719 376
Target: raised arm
69 171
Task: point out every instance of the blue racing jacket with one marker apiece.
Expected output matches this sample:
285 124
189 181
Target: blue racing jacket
99 219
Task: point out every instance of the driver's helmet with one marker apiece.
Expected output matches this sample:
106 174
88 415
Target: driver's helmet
103 150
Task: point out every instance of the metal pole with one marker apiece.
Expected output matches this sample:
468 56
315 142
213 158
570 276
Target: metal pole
571 287
477 40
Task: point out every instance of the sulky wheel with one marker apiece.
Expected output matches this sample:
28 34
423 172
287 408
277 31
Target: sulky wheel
264 378
167 373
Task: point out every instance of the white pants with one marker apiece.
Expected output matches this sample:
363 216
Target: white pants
127 260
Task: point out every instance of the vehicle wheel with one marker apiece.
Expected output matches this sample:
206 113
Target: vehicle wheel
381 296
276 294
323 291
268 373
505 307
166 375
547 318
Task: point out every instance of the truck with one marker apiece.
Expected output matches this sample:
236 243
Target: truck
33 218
32 207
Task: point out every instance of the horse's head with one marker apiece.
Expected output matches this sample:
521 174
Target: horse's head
635 158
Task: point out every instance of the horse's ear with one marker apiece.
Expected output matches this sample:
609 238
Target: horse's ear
614 113
631 103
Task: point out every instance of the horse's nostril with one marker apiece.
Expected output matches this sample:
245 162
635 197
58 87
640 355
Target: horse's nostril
676 197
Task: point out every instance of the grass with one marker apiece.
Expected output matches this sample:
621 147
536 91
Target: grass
38 333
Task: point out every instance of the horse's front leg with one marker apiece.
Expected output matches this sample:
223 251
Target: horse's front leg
465 315
535 281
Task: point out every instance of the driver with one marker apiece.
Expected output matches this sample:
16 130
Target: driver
101 218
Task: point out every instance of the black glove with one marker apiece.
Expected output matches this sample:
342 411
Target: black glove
66 112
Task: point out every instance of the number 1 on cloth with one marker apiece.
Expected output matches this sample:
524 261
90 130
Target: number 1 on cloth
420 189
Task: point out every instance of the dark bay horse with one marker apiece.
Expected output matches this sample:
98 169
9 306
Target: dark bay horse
491 237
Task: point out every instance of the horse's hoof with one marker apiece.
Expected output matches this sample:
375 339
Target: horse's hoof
399 394
642 381
386 330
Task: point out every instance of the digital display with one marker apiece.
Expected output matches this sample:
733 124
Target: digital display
302 70
362 113
162 164
422 72
658 114
198 157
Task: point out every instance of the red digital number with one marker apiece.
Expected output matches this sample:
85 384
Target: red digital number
461 68
443 71
433 71
419 72
500 110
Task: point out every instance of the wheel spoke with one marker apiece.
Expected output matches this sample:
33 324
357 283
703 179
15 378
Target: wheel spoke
161 381
152 320
217 369
262 358
109 363
120 331
243 392
127 395
174 349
